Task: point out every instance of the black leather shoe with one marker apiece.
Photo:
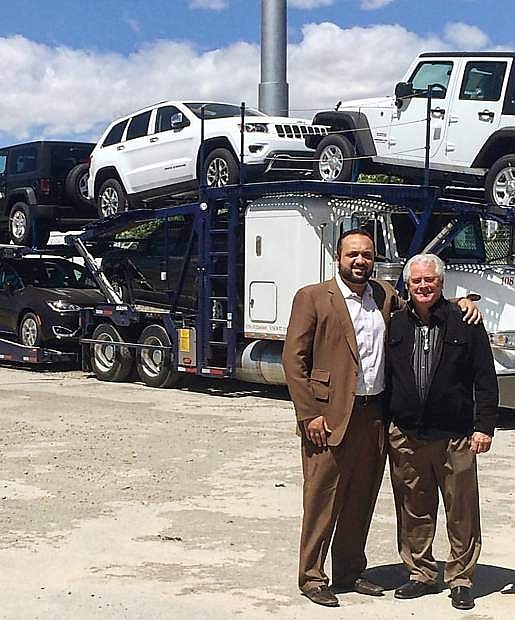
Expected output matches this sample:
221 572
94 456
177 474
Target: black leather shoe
414 589
321 595
361 586
461 597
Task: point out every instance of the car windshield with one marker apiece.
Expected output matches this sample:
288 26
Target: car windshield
220 110
52 273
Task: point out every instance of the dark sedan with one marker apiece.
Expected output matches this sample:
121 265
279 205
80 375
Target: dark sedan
40 299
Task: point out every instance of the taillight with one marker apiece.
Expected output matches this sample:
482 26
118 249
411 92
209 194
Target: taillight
44 186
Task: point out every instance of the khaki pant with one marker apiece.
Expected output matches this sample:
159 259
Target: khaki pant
418 469
341 484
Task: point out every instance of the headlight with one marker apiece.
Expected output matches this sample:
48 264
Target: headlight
503 340
63 306
255 127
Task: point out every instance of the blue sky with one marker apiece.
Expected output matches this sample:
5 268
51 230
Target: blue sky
122 26
70 66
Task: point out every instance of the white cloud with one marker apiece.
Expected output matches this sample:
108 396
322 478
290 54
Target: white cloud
309 4
466 37
59 92
213 5
372 5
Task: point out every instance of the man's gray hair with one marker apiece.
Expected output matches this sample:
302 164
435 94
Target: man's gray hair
424 258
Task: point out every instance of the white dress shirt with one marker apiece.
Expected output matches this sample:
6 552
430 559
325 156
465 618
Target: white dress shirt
369 328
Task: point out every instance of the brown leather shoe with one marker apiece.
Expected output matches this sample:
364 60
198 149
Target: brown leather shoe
361 586
321 595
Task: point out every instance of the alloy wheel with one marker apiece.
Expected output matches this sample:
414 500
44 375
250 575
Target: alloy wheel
217 174
504 187
331 163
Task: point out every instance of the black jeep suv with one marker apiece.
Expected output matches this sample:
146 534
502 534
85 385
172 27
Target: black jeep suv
43 187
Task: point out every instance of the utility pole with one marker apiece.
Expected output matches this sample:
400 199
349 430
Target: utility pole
273 88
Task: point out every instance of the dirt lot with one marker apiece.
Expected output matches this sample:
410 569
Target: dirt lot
121 501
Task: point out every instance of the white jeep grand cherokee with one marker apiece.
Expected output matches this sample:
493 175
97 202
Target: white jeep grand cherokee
156 152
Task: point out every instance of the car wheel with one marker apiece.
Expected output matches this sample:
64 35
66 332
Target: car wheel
155 366
109 361
500 182
29 330
24 229
221 169
333 159
111 198
76 185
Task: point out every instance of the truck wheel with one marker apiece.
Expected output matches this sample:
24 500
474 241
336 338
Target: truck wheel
110 363
111 198
221 169
29 330
76 185
500 182
22 225
155 366
333 159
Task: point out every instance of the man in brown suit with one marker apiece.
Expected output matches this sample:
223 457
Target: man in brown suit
334 364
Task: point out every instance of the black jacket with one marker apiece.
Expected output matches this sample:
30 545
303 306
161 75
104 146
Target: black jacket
462 364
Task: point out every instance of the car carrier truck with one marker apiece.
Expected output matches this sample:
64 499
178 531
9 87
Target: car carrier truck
206 288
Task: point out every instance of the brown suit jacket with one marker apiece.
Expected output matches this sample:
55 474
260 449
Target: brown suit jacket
320 356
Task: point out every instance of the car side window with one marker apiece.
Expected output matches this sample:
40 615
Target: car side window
169 117
115 134
3 162
433 72
9 278
23 160
483 81
138 127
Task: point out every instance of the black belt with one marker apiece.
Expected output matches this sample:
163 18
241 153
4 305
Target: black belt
363 401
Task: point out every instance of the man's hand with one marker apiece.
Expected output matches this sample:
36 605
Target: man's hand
317 431
472 315
480 442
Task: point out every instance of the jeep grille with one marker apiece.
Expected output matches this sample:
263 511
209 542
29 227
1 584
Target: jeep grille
299 131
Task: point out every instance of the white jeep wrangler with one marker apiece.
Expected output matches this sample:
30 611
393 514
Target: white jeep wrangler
156 152
472 127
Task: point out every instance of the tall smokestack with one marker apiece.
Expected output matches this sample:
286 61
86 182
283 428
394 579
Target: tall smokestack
273 89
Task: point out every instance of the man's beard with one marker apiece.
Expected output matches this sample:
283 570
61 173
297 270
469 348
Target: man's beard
347 275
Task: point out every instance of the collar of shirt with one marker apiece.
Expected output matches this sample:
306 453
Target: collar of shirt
347 293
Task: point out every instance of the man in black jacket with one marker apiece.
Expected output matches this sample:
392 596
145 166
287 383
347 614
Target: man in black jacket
443 400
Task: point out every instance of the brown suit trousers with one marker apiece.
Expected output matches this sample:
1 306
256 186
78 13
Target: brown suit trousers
341 484
418 469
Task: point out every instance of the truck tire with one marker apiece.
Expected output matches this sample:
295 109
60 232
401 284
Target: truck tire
29 330
500 182
24 229
333 159
112 198
155 367
221 169
76 185
110 363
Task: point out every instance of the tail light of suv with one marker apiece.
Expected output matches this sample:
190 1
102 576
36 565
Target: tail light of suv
45 186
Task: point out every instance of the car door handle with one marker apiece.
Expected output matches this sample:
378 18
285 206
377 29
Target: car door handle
438 112
120 147
154 139
486 115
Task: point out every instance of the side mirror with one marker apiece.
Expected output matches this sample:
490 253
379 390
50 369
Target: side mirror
403 91
177 121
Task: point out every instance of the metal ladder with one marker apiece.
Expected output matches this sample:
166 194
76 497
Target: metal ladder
220 289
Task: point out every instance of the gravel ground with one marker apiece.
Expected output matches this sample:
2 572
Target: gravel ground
122 501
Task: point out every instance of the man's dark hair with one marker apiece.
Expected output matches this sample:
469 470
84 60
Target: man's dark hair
353 231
